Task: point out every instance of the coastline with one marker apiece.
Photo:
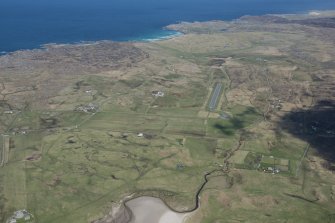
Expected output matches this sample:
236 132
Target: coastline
169 32
164 34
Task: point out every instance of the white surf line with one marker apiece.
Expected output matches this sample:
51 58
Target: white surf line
161 38
314 13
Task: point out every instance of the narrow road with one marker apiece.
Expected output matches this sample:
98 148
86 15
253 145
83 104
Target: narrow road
2 155
302 158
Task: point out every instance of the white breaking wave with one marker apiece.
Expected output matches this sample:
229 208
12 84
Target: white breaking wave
163 37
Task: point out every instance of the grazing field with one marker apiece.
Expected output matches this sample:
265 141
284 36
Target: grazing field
239 157
276 163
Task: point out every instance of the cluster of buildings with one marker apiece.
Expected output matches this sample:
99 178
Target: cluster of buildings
21 216
272 170
157 93
89 108
21 130
276 104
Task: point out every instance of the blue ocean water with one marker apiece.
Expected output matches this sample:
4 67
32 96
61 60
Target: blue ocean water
26 24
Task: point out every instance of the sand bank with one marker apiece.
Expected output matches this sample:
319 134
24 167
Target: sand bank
153 210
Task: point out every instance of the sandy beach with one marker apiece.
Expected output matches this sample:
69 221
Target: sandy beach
153 210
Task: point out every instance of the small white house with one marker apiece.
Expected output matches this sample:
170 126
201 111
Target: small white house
157 93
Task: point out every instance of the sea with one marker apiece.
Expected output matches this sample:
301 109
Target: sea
28 24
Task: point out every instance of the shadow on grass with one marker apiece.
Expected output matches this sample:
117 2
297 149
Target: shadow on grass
315 126
233 125
223 129
240 121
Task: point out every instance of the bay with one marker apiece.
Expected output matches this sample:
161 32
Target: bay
27 24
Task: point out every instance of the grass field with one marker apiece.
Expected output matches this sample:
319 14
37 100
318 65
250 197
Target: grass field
239 157
270 161
65 165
